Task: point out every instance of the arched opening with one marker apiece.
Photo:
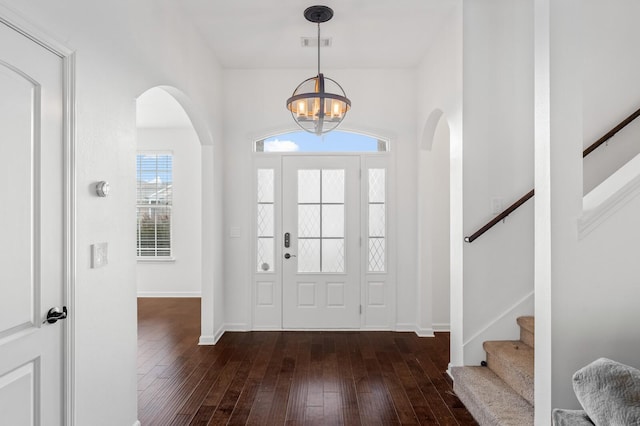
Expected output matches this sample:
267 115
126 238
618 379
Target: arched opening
168 123
435 227
169 200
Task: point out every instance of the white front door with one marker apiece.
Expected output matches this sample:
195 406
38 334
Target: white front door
32 248
321 244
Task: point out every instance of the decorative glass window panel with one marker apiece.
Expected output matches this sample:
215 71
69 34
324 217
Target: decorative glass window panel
308 255
333 221
377 220
333 255
376 254
265 186
265 253
377 188
333 186
308 186
321 221
154 194
309 221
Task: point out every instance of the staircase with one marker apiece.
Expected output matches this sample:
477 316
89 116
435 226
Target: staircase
502 392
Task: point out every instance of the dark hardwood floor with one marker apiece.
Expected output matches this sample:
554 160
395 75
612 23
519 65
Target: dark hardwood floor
292 378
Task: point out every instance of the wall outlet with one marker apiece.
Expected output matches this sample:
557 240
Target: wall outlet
99 256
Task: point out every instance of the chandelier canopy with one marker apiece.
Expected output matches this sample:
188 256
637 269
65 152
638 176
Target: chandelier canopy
319 104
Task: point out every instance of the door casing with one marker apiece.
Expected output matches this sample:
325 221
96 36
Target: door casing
36 35
377 290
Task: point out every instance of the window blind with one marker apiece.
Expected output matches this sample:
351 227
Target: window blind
154 203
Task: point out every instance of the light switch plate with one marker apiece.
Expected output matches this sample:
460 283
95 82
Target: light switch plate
99 252
234 232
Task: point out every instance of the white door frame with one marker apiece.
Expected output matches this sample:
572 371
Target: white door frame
12 20
377 290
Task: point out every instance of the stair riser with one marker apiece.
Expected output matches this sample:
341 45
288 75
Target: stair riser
489 400
527 337
523 385
527 330
464 395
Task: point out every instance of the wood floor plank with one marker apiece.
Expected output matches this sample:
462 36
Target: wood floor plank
296 405
288 378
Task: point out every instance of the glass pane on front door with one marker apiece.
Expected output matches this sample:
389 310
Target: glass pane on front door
321 220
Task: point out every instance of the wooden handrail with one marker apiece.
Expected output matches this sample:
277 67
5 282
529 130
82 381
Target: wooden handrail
624 123
500 217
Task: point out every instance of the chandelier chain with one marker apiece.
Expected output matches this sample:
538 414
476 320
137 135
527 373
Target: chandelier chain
318 48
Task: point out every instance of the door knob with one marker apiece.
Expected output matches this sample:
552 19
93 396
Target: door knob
288 256
55 314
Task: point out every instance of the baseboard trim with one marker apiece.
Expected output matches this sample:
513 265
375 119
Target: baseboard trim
375 328
207 340
449 370
267 328
236 327
218 334
241 327
424 332
404 327
169 294
442 327
420 332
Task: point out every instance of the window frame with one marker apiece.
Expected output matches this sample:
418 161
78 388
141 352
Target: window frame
155 206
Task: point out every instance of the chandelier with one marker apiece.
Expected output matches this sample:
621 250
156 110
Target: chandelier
319 104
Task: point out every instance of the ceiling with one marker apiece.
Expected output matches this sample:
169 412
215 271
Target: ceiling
267 33
364 33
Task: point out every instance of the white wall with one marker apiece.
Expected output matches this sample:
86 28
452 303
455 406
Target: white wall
255 105
498 163
439 104
611 89
440 226
122 49
183 276
585 285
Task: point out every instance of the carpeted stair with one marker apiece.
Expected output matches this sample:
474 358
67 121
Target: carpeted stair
501 393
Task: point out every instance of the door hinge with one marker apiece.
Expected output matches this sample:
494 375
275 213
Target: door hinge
360 242
360 309
360 173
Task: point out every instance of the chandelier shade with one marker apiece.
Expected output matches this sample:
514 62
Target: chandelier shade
319 104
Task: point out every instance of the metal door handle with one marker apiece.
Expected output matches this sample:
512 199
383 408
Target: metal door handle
55 314
288 256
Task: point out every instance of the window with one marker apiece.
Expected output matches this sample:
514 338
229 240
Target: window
321 220
336 141
377 220
154 202
265 220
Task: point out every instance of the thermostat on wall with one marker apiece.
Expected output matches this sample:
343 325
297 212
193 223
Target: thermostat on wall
102 188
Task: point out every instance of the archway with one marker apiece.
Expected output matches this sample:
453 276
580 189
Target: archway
169 206
163 113
434 204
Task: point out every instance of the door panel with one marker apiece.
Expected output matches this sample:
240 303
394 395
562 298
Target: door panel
32 249
321 268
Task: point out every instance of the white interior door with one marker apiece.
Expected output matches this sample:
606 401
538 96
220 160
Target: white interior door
321 261
32 250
